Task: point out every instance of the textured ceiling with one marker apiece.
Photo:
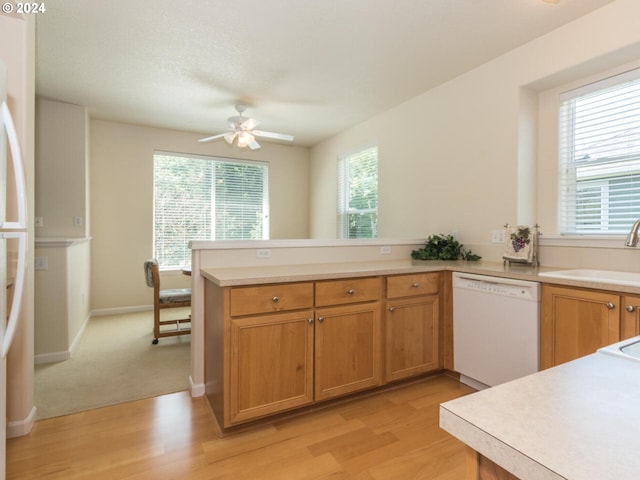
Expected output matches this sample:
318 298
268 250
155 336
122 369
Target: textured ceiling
310 68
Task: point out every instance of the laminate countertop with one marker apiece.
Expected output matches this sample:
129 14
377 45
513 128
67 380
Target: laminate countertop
579 420
299 272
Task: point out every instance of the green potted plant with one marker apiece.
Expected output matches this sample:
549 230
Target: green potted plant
443 247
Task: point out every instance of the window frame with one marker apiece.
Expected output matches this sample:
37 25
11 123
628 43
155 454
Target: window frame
265 227
344 210
543 117
601 172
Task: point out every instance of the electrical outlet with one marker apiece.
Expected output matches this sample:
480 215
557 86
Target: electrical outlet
263 253
386 250
497 236
41 263
77 221
39 222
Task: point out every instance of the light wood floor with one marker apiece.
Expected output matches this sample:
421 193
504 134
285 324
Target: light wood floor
390 435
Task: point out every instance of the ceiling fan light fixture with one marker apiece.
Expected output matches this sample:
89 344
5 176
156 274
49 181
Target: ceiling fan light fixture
244 139
242 128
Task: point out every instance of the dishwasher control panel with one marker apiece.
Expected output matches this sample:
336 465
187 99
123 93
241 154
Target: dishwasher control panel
505 287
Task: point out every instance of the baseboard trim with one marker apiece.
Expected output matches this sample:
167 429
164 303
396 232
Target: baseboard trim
76 341
120 310
54 357
197 389
22 427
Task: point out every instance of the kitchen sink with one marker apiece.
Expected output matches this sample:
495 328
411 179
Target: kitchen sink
600 276
629 349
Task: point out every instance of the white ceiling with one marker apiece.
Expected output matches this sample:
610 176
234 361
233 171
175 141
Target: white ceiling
310 68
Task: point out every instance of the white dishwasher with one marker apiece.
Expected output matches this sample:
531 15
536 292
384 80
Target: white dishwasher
495 329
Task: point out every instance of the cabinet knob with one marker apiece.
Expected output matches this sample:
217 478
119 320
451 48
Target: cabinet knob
610 306
275 299
321 319
415 285
310 321
351 291
630 308
392 309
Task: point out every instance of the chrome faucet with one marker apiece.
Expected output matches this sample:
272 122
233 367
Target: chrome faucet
632 238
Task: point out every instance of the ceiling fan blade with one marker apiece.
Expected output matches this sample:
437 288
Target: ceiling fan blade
229 137
277 136
254 145
215 137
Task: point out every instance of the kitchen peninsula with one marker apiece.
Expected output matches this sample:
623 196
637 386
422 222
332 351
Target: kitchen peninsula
291 336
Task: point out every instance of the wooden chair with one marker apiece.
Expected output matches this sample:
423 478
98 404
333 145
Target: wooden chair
163 299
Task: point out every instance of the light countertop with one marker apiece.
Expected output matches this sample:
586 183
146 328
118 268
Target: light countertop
579 420
256 275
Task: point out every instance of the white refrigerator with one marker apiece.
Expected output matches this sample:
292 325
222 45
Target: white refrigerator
13 246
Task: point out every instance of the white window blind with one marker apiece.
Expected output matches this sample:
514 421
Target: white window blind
600 157
358 194
206 198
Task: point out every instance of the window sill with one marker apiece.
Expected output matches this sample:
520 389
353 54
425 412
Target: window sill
583 241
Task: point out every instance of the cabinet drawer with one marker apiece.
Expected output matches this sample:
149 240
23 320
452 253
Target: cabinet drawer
270 298
352 290
413 284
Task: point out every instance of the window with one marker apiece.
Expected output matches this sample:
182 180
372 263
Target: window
358 194
600 157
205 198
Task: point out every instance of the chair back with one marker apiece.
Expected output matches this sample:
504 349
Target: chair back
151 274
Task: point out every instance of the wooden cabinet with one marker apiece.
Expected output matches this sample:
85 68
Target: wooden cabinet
347 336
576 322
412 321
347 341
288 345
479 467
270 345
630 324
349 291
271 364
270 298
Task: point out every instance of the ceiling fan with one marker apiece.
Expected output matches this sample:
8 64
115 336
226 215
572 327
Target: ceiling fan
242 128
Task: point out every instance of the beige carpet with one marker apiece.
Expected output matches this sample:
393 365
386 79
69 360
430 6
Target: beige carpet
115 362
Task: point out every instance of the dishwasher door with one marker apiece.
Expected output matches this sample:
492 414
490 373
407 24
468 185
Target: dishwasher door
495 329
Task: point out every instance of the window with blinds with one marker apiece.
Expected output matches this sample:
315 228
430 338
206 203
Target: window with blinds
358 194
600 157
206 198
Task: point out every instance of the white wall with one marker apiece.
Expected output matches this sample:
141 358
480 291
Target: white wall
62 299
62 138
459 157
122 203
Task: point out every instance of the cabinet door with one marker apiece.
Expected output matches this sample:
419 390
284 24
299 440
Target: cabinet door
348 349
412 336
630 325
271 367
576 323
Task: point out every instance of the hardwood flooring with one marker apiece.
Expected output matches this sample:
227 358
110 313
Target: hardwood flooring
389 435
